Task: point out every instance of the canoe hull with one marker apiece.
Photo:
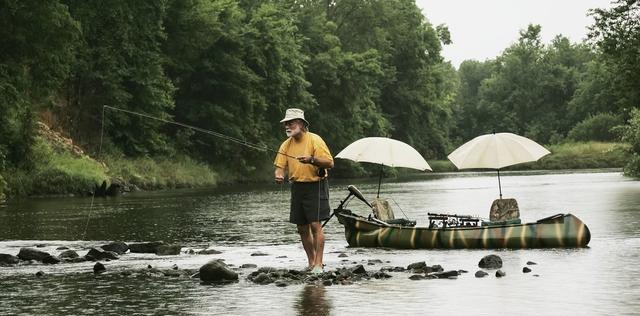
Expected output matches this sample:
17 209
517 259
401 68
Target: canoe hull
558 231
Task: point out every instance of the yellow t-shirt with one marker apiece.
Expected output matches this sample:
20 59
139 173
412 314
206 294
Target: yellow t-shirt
309 144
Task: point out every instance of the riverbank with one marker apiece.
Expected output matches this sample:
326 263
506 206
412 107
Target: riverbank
578 155
61 168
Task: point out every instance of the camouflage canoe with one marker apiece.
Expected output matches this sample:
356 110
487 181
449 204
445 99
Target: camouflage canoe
561 230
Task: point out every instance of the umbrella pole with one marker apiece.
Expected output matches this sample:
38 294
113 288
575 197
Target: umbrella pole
499 185
380 180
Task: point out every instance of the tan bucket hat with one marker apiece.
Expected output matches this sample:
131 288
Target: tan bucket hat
293 114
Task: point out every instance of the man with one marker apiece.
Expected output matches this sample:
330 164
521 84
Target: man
306 157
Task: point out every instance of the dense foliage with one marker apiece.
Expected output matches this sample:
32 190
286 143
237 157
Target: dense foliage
358 68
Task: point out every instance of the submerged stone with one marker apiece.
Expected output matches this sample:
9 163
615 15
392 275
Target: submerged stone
526 270
8 259
215 271
490 262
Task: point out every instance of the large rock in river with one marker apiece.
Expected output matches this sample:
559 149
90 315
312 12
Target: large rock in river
216 271
32 254
147 247
490 262
100 254
118 247
8 259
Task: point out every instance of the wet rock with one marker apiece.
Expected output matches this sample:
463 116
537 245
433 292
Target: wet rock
380 275
530 263
74 260
216 271
359 269
259 253
8 259
374 261
526 270
490 262
195 275
100 254
41 245
281 283
417 266
99 268
118 247
68 254
481 274
248 265
101 190
433 268
262 278
500 274
39 274
62 248
342 255
174 267
209 251
51 260
445 274
114 189
327 282
32 254
168 250
171 273
462 271
147 247
416 277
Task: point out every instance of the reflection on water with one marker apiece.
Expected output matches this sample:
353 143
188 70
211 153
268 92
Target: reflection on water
601 279
312 301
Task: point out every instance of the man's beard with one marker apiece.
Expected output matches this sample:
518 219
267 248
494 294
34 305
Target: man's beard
292 132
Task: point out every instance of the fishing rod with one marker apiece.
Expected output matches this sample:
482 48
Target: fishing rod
202 130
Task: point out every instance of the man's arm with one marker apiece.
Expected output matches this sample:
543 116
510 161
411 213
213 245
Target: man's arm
318 162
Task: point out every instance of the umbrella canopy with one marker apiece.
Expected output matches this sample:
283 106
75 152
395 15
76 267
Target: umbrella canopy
496 151
385 152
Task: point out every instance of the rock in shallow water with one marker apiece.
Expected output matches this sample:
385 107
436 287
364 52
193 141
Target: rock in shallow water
216 271
99 268
500 274
481 274
118 247
32 254
490 262
8 259
526 270
51 260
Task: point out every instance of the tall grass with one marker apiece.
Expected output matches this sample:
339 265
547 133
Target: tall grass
162 173
55 172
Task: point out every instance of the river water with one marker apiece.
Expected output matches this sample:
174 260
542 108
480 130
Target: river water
601 279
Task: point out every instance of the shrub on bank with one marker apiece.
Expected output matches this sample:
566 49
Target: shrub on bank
55 172
161 173
578 155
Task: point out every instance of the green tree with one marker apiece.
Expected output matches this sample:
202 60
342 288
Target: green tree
120 64
37 40
616 34
412 97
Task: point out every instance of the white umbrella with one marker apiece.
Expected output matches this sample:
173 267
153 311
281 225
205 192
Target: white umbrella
385 152
496 151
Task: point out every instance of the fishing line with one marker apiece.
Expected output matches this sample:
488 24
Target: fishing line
202 130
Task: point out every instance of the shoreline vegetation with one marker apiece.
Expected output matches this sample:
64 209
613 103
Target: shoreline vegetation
63 169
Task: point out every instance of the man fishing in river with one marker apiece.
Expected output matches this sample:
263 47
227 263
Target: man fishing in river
306 157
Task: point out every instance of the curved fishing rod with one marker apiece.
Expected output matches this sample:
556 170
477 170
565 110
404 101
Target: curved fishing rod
202 130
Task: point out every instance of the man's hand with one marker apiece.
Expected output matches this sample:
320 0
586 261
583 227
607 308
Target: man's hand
279 175
306 159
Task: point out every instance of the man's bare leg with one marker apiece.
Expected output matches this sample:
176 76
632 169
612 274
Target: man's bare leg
318 246
308 243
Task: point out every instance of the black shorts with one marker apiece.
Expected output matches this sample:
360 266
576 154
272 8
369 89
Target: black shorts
309 202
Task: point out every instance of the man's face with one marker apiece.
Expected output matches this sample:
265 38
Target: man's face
293 127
